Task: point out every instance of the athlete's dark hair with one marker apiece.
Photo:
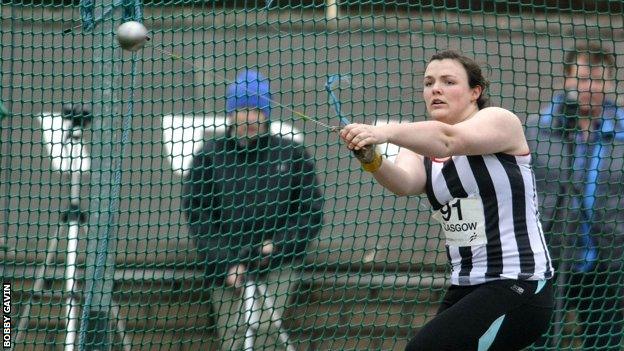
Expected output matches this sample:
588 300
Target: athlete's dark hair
475 75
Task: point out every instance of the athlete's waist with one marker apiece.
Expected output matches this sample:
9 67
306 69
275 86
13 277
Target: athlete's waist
471 280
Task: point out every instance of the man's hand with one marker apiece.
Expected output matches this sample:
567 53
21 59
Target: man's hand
266 251
267 248
236 275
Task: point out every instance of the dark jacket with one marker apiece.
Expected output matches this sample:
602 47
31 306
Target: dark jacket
237 197
580 184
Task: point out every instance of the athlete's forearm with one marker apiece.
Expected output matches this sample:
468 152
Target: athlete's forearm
429 138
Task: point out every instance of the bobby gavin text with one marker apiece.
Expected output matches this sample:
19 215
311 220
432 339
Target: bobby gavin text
6 315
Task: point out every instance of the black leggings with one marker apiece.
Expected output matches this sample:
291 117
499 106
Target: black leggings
499 315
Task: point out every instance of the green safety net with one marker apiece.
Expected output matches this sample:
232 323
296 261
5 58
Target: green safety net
112 239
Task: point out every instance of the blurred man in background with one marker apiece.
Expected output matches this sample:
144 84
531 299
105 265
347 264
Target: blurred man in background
578 147
253 204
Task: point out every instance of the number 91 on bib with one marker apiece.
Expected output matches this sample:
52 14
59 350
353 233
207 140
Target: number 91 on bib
463 222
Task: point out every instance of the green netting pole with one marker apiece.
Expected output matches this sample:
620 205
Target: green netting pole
95 333
4 165
3 111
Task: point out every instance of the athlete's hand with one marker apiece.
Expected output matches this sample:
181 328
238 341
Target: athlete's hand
358 136
367 154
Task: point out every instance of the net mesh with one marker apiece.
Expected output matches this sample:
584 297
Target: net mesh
105 244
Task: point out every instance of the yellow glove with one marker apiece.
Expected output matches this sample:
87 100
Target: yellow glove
370 157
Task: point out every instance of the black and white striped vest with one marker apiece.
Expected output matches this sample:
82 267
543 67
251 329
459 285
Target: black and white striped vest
487 207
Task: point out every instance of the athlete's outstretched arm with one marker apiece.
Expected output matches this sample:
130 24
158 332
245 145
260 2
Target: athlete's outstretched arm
490 130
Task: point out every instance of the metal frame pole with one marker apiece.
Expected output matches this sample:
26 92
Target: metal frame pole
252 318
94 333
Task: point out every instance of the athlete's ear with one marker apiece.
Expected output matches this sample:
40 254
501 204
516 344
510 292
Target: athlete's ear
476 93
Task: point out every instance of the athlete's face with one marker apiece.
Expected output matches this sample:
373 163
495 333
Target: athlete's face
447 95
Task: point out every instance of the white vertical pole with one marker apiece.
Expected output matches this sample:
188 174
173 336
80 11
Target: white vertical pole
331 9
251 318
71 308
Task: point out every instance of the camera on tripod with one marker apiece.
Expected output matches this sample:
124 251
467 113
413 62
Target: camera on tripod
78 115
569 112
63 137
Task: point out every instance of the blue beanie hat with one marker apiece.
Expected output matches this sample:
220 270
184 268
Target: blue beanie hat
250 90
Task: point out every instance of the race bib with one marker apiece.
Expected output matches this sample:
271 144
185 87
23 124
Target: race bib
463 222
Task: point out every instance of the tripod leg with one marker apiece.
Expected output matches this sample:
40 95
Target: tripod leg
276 318
71 308
37 287
121 327
252 319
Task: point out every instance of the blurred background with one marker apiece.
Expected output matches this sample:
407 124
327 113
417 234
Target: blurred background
375 273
